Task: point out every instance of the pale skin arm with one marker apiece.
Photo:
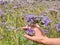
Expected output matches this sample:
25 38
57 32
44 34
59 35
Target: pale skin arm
52 41
40 37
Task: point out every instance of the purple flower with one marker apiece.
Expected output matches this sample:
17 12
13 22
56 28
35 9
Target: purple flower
28 0
53 9
44 17
53 12
57 26
3 2
25 4
18 3
1 12
45 20
30 32
32 18
10 27
3 23
45 31
15 6
29 17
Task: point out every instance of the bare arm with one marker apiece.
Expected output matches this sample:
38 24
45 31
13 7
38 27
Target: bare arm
52 41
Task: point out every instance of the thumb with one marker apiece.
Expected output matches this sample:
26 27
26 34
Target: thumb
28 37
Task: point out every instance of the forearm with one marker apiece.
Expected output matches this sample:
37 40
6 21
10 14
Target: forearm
52 41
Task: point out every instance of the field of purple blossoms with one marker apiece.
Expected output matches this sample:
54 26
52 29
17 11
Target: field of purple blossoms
15 14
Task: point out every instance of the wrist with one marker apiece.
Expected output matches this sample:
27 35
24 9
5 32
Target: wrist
44 40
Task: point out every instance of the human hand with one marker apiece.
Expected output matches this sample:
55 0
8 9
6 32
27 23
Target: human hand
39 35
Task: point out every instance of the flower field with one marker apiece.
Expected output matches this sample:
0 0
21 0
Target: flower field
15 14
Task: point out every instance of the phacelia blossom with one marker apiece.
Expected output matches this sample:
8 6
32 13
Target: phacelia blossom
45 31
53 9
32 18
3 23
19 3
1 12
45 20
30 32
57 26
10 27
3 2
15 7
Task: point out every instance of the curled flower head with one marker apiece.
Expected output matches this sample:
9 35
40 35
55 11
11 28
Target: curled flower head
45 20
30 32
1 12
45 31
32 18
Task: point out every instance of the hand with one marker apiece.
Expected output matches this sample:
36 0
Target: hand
39 35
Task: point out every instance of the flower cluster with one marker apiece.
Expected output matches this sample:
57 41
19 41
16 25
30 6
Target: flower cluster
36 19
32 18
3 2
45 20
1 12
30 32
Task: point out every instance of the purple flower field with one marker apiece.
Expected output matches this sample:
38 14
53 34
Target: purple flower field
15 14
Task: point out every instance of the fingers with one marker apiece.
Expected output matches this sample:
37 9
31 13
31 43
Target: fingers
36 28
31 26
25 27
28 37
34 25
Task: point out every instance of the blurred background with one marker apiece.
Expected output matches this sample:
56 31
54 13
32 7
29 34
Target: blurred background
12 13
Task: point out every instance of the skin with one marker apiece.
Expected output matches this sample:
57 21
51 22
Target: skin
40 37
